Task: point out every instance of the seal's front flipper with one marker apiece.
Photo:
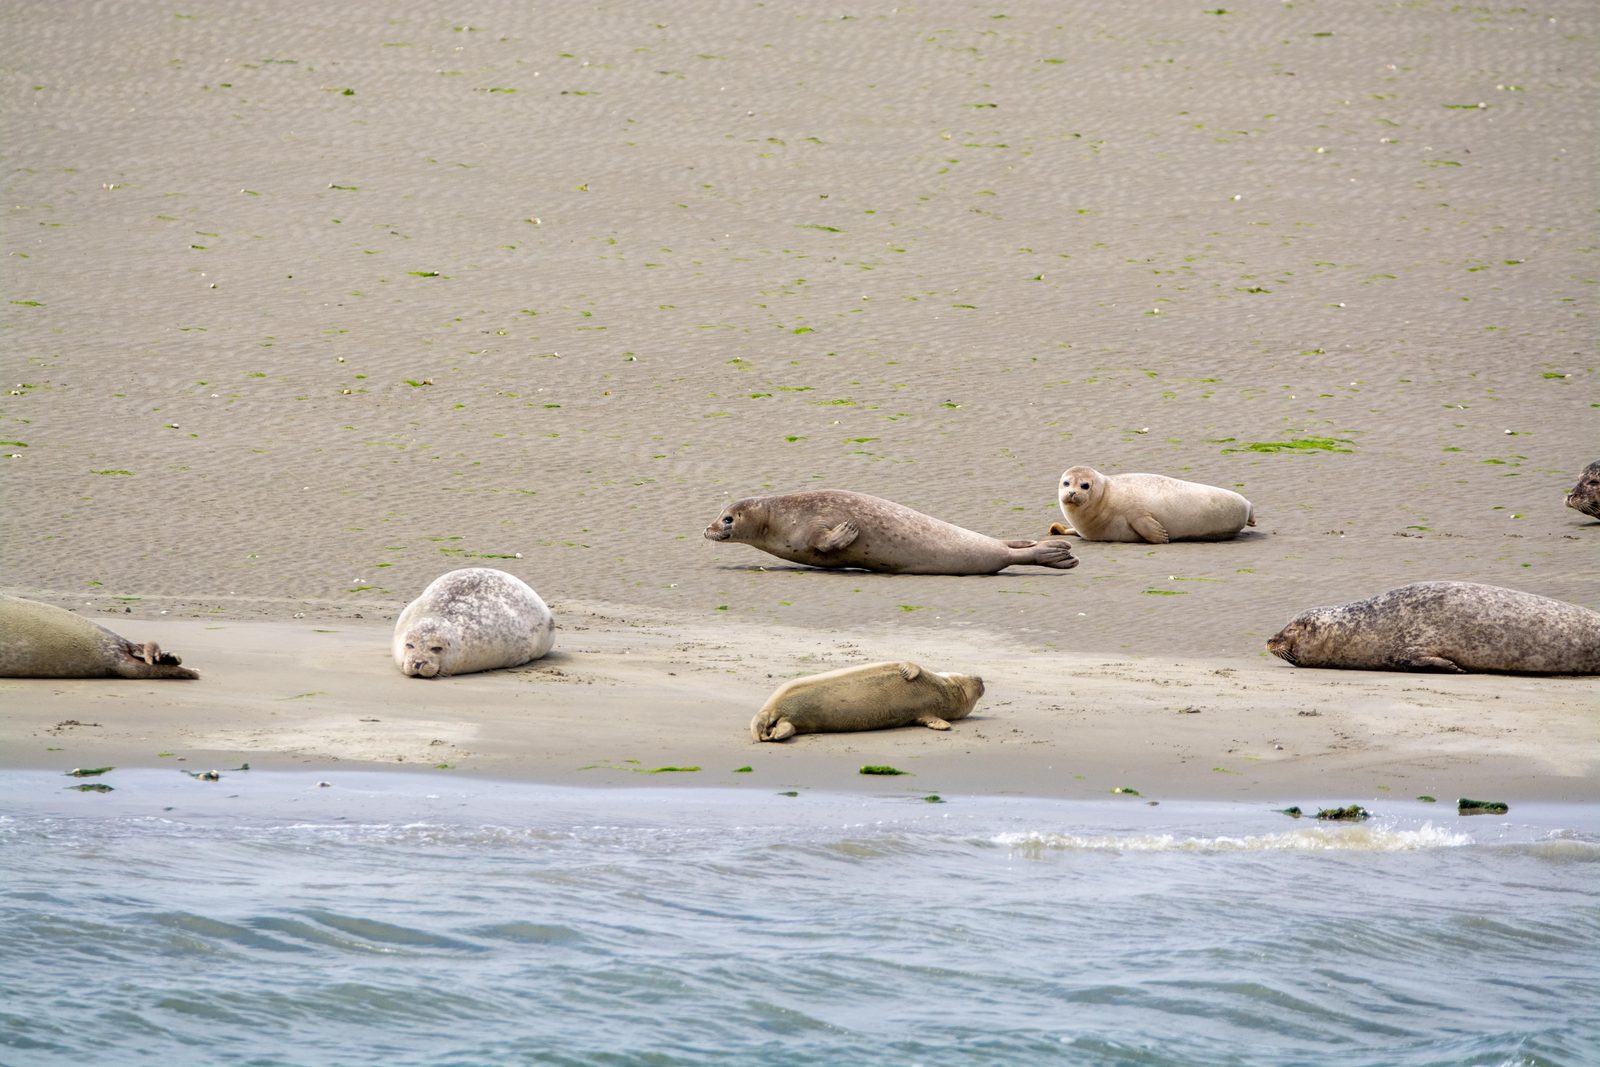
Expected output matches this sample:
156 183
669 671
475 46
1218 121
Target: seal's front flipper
832 539
1423 662
1061 529
909 671
933 722
1149 527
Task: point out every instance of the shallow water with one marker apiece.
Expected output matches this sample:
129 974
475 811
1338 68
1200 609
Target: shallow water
401 919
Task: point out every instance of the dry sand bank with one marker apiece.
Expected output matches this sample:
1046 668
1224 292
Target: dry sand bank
624 694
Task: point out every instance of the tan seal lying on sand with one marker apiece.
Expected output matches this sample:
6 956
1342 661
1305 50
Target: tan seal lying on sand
837 528
474 619
43 641
1585 496
1148 507
875 696
1446 626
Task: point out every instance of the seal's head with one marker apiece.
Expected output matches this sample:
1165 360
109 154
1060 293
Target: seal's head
1305 632
740 521
1585 496
1080 487
424 654
971 687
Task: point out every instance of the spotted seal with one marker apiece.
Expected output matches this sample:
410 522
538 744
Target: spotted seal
473 619
875 696
1585 496
1148 507
43 641
1458 627
836 528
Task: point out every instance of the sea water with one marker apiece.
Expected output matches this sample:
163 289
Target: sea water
403 919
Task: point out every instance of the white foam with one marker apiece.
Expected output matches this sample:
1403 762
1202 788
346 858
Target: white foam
1301 839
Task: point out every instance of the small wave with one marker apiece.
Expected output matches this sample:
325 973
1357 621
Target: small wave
1307 839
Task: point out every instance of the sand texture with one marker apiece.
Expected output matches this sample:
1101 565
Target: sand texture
307 304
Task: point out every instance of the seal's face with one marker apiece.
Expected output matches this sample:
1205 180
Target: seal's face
736 523
1079 486
1287 642
1585 496
424 655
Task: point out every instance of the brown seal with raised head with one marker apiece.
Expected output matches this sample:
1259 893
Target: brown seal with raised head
836 528
874 696
1585 496
1460 627
43 641
1148 507
473 619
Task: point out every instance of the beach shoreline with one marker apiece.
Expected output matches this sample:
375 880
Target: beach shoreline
626 695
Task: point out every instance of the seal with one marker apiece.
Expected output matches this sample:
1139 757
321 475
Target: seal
1458 627
1148 507
834 528
1585 496
875 696
44 641
473 619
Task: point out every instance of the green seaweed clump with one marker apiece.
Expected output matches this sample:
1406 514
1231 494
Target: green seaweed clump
1426 799
1465 806
1298 444
879 768
1126 790
933 798
1292 812
667 770
743 770
92 787
88 772
1353 813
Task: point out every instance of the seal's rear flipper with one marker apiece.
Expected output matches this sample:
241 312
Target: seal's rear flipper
1057 554
146 660
1060 529
933 722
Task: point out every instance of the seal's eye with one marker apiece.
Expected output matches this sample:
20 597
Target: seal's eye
1083 485
436 648
727 520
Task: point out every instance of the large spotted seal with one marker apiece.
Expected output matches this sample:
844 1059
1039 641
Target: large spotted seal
1148 507
836 528
1585 496
875 696
43 641
474 619
1446 626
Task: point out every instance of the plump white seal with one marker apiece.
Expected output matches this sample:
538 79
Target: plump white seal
473 619
1148 507
873 696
